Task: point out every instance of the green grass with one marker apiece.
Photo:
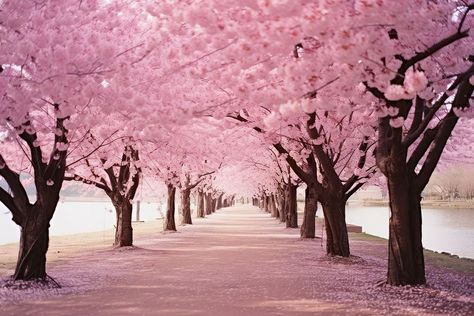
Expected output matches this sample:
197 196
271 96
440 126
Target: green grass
450 262
463 265
367 237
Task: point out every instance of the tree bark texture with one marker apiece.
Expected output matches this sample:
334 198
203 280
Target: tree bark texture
405 252
34 243
219 202
186 206
123 227
170 209
282 210
308 227
214 205
273 206
200 205
292 207
337 238
208 203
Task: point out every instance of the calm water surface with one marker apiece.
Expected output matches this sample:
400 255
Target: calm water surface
77 217
450 230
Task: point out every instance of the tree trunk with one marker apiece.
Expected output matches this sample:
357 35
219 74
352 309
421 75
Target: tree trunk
308 226
186 207
337 239
405 250
279 205
214 204
123 227
34 242
208 204
292 207
200 204
273 207
283 206
219 202
169 220
277 202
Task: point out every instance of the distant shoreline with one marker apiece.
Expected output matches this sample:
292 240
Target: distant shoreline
102 199
460 204
465 204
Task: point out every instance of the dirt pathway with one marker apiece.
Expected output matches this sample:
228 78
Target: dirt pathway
238 261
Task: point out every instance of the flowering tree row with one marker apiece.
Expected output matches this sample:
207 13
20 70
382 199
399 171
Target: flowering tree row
206 94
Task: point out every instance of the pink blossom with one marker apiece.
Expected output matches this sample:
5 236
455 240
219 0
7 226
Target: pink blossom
397 122
396 92
415 81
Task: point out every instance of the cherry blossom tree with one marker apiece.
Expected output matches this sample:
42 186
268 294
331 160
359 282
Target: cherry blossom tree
322 92
53 88
427 102
410 63
45 97
118 176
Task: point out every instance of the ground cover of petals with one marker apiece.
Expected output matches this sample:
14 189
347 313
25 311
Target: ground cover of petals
238 261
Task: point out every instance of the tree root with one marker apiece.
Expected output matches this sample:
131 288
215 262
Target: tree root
47 282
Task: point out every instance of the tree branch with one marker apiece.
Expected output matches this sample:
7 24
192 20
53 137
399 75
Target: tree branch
427 53
101 185
20 197
446 126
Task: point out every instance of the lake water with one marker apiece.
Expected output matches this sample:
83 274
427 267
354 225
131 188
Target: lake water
449 230
77 217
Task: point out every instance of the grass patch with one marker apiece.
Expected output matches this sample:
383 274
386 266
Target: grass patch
367 237
442 260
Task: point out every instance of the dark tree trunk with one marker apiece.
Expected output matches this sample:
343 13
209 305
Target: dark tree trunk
283 206
280 204
170 210
277 203
34 242
337 239
269 203
208 203
214 204
123 227
186 206
219 202
273 206
308 226
292 207
34 219
408 159
34 238
121 192
405 252
200 204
